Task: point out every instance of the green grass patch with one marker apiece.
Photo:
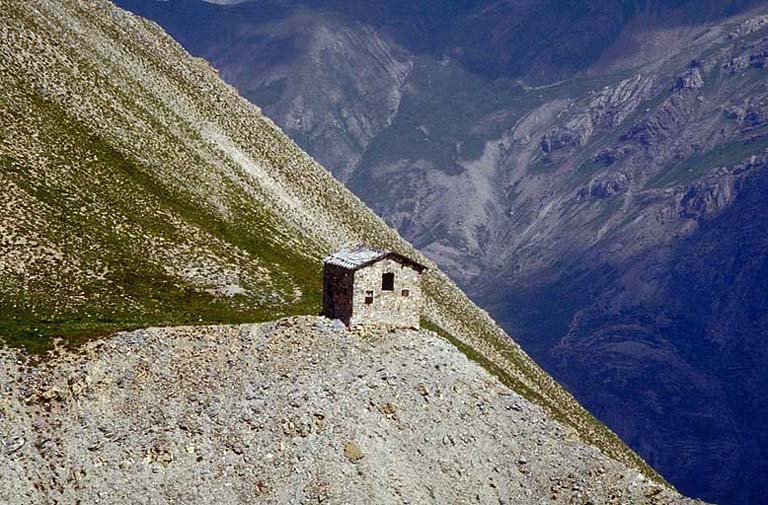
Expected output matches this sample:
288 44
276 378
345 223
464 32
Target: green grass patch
86 185
36 337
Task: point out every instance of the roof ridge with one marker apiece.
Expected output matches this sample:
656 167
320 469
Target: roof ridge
360 255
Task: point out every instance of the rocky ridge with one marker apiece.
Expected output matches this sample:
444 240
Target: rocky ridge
300 410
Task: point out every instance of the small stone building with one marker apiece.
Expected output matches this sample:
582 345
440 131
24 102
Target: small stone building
364 285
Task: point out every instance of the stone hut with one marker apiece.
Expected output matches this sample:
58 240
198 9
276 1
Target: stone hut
364 285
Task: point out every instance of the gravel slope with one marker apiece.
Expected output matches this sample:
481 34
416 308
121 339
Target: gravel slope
297 411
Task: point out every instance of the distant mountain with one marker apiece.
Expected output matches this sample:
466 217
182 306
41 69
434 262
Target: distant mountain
140 190
588 171
541 39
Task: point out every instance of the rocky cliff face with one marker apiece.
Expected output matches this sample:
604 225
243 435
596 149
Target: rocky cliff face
298 411
566 179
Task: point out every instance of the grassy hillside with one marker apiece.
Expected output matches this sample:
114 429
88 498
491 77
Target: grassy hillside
140 189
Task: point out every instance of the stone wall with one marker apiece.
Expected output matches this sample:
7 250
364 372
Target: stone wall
389 307
337 292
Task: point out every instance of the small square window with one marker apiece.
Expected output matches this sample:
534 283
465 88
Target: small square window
405 292
368 300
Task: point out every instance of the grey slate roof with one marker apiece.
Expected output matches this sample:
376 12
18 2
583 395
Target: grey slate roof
353 258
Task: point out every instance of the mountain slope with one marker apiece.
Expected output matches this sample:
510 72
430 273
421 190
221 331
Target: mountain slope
233 414
577 193
140 189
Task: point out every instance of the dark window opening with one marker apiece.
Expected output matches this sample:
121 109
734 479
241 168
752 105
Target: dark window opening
388 282
368 300
405 292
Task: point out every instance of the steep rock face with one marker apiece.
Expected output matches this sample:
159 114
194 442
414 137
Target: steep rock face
693 340
234 414
605 111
